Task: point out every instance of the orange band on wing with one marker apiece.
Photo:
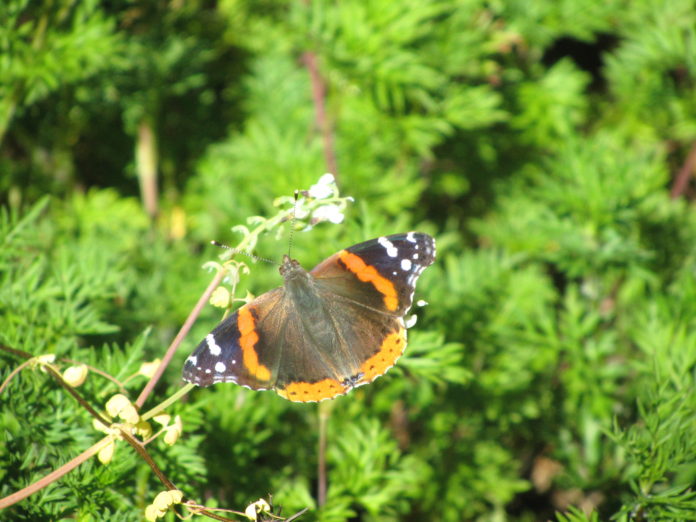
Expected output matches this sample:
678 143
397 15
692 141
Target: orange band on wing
247 340
312 391
369 274
390 350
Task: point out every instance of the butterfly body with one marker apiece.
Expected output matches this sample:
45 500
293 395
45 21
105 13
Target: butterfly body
324 332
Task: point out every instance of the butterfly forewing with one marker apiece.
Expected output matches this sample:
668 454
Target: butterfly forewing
390 266
233 351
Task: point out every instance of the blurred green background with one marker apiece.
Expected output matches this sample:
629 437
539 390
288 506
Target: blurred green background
548 145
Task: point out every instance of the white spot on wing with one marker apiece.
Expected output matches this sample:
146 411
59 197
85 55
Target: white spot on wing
389 246
406 264
193 360
220 367
410 237
212 345
411 321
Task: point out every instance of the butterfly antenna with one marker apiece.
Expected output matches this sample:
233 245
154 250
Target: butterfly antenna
243 252
292 222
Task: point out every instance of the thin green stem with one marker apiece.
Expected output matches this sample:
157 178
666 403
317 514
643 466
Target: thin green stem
166 403
324 415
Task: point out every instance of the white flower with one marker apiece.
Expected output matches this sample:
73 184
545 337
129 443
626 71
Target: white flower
300 213
330 213
323 188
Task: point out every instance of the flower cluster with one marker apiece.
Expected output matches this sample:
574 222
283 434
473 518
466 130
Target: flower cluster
332 209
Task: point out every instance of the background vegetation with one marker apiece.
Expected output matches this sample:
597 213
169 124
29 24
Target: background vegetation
548 145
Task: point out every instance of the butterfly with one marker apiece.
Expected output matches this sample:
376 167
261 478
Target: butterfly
324 332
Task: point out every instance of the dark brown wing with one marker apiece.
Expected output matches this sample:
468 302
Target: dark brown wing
235 350
379 274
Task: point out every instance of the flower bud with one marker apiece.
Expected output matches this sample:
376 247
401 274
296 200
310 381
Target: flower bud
148 369
107 452
75 375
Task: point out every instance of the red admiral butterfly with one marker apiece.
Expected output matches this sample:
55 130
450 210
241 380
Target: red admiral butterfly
323 332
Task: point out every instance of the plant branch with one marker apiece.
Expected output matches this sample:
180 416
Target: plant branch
681 181
309 58
147 390
146 157
14 372
54 475
140 449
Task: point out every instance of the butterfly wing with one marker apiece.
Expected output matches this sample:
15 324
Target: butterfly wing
365 291
358 346
379 274
269 344
232 351
349 333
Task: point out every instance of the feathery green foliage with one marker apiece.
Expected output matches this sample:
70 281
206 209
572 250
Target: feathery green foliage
547 145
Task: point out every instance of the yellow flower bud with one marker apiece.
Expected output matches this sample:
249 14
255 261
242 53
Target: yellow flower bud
143 429
130 414
173 432
116 403
97 425
260 506
107 452
161 504
220 297
120 406
176 496
162 500
152 513
75 375
148 369
162 418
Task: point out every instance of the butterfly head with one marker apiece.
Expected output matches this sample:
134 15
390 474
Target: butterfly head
291 269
